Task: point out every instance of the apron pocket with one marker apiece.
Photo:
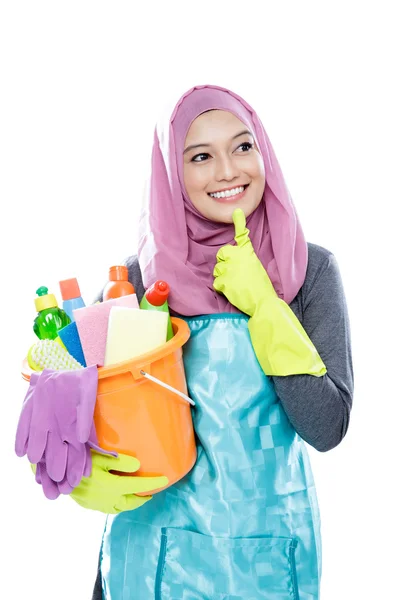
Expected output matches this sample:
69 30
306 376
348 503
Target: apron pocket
194 566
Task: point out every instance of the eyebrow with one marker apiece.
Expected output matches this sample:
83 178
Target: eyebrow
207 145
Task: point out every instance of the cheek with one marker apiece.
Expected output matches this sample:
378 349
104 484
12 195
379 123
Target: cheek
255 167
259 167
257 172
195 180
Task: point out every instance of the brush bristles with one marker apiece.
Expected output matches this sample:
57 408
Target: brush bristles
48 354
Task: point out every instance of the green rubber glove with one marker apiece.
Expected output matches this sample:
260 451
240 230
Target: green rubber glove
280 342
110 493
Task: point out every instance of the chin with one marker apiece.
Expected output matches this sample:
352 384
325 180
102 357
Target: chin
226 212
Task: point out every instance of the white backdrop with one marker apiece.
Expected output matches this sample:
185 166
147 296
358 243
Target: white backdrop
82 85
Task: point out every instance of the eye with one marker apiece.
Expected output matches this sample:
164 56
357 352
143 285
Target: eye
246 146
200 157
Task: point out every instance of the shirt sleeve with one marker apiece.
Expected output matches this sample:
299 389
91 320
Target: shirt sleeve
319 407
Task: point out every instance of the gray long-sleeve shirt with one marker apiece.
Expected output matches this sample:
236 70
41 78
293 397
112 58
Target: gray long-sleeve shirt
318 407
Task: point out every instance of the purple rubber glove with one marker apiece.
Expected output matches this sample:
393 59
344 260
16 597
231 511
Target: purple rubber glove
23 428
53 489
56 427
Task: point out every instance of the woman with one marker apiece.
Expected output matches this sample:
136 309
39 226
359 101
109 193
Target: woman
268 364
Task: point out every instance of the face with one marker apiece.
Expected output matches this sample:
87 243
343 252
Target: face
223 168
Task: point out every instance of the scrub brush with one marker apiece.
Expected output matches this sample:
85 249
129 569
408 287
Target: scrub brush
49 354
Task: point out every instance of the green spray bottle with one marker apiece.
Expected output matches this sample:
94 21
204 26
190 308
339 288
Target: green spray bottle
156 298
50 318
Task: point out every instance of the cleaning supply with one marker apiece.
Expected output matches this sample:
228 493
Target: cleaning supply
70 339
48 354
280 342
137 416
92 323
70 292
56 425
156 298
132 332
50 318
110 493
118 284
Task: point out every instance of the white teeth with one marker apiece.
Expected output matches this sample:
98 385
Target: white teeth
228 193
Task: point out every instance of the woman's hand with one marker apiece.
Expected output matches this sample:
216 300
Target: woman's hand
239 274
280 342
110 493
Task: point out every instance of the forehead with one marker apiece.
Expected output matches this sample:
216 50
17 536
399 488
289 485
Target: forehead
214 125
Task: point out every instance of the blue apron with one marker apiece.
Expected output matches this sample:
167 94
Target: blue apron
244 523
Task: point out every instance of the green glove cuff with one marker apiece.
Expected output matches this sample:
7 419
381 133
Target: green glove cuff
280 342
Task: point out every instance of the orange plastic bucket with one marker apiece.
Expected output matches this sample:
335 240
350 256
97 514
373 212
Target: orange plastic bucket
136 416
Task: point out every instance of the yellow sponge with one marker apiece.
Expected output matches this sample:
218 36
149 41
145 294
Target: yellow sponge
132 332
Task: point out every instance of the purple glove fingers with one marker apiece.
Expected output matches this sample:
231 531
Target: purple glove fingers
86 402
36 445
24 424
64 487
89 465
38 474
56 456
76 462
23 427
41 416
50 487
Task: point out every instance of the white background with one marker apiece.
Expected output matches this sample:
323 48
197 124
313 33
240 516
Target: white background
82 86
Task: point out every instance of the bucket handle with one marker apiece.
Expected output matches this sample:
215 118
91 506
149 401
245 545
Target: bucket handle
168 387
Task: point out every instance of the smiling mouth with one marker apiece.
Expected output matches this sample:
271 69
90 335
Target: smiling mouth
230 193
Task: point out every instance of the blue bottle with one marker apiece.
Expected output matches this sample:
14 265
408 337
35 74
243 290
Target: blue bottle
70 292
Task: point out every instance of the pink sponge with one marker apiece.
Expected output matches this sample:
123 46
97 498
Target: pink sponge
92 325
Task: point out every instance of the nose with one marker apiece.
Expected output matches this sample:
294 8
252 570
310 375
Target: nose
226 169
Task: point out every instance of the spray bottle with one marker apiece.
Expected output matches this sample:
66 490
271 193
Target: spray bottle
156 298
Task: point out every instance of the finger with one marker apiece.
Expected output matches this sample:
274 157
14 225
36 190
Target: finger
23 427
88 380
40 418
88 465
219 285
131 502
49 486
25 420
139 484
64 487
37 473
241 231
126 463
225 253
76 460
219 270
36 444
56 456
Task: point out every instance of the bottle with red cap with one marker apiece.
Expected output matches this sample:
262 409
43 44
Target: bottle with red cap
118 284
70 292
156 298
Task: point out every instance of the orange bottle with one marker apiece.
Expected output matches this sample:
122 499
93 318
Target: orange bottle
118 284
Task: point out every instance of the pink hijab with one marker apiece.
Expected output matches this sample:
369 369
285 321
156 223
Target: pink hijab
177 244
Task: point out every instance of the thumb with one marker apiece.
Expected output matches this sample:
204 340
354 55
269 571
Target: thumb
122 462
241 231
127 464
